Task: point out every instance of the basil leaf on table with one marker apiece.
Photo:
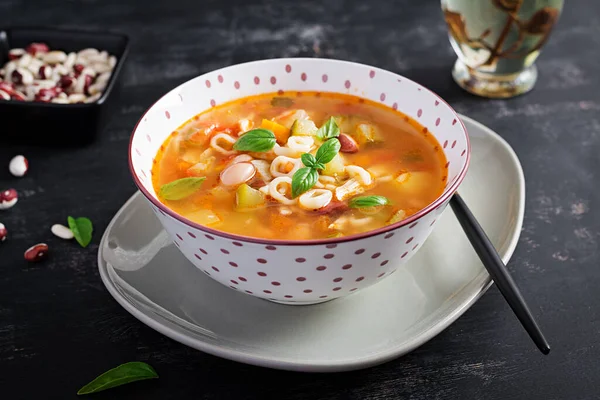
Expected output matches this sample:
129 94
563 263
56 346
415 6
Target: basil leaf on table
329 130
256 140
285 102
308 160
124 373
180 188
303 179
368 201
328 151
82 229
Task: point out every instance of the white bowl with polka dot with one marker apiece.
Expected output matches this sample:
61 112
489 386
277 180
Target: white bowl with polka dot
307 271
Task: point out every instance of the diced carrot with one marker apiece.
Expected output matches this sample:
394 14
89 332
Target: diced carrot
288 167
281 132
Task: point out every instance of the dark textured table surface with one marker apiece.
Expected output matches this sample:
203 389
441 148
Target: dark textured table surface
59 327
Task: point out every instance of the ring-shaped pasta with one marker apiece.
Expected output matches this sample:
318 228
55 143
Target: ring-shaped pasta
315 199
214 143
360 174
282 161
296 146
276 194
324 179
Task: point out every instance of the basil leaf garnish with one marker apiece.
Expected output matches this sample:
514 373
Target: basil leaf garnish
303 179
82 229
180 188
256 140
124 373
329 130
368 201
308 160
327 151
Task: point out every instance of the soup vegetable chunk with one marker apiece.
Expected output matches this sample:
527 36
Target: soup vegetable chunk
299 166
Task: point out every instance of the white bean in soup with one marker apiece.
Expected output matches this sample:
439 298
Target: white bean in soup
300 166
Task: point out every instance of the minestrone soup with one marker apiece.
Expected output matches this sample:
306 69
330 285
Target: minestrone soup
299 166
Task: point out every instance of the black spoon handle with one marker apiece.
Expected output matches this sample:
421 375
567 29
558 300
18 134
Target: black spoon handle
498 271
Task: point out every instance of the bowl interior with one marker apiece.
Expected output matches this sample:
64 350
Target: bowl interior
220 86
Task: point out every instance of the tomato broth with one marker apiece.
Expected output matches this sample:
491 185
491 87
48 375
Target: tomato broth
299 166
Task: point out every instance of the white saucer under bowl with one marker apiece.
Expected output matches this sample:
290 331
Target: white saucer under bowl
151 279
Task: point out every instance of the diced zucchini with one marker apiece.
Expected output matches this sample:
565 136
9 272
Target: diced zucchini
222 194
304 127
335 235
345 123
204 217
379 170
397 217
335 166
194 155
247 198
365 133
415 183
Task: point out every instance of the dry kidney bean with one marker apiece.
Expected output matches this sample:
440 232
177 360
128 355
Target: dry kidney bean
62 231
37 252
22 76
18 96
38 73
18 166
45 72
347 144
15 54
7 87
49 94
8 198
35 48
3 232
66 82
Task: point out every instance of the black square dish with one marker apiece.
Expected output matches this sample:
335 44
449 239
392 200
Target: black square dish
39 123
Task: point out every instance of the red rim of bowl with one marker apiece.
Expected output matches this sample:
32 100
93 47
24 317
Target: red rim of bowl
434 205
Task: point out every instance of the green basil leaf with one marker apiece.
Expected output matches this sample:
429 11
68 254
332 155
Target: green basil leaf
308 159
330 129
285 102
256 140
82 229
124 373
303 179
319 166
328 150
180 188
368 201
